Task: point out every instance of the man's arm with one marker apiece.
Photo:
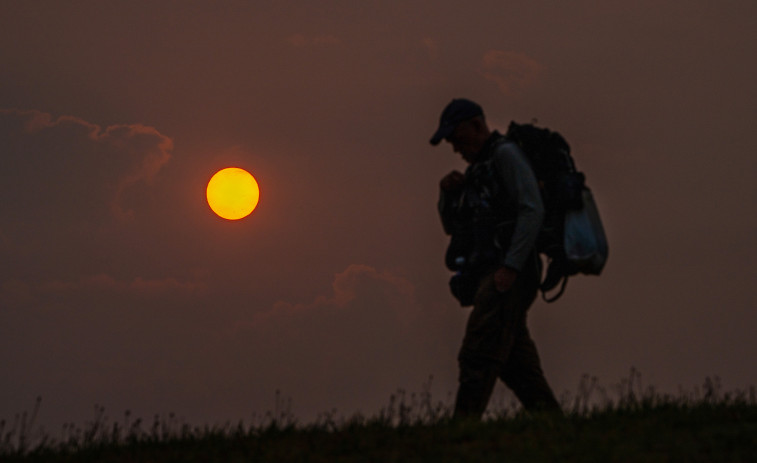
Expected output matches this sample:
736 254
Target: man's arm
450 189
522 187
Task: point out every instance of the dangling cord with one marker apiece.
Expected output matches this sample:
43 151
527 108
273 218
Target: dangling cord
559 293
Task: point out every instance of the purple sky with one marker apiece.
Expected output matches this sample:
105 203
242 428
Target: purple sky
119 286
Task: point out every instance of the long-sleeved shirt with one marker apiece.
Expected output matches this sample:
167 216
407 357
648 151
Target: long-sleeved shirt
514 194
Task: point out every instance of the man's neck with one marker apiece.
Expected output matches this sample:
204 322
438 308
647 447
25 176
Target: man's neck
486 147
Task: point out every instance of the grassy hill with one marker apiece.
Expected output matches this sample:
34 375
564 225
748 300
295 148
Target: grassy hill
649 428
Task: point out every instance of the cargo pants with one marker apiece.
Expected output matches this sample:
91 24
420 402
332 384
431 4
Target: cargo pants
497 344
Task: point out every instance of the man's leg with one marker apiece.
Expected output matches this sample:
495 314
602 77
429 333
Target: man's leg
489 337
477 378
522 369
523 374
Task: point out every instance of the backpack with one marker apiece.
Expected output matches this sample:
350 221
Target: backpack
572 237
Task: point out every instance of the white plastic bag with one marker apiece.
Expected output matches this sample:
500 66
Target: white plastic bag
585 241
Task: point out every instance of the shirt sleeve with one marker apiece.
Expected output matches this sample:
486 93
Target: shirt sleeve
523 190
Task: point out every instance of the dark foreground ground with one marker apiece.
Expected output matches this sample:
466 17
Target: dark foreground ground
706 432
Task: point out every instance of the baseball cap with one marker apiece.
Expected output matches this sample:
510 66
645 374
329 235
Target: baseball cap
457 111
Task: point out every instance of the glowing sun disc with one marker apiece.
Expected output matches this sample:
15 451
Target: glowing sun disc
232 193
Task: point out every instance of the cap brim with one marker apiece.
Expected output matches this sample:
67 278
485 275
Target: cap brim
443 132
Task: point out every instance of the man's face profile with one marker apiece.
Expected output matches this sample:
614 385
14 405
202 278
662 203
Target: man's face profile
465 140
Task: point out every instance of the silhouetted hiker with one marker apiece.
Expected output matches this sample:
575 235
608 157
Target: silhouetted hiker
494 212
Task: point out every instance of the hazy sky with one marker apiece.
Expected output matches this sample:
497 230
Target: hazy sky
119 286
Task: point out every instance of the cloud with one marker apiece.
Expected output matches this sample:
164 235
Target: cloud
68 188
510 71
68 165
314 40
359 288
359 338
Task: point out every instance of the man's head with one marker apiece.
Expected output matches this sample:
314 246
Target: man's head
463 125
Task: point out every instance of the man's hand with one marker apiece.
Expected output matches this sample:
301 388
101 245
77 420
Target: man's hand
452 181
504 278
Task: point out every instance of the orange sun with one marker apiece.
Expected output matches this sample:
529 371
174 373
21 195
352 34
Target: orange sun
233 193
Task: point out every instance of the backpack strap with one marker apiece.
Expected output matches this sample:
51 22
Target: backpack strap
559 293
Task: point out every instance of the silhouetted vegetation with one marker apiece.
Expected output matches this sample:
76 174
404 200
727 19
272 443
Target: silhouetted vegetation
638 424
